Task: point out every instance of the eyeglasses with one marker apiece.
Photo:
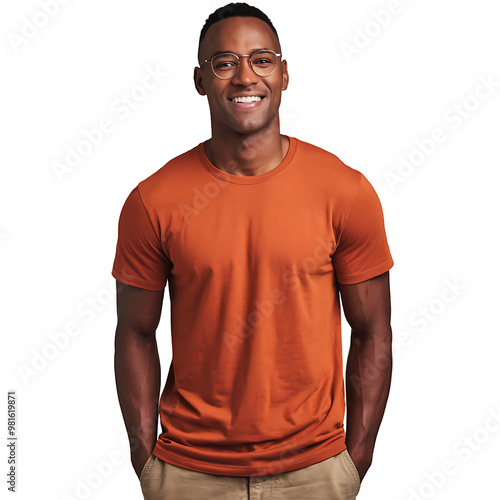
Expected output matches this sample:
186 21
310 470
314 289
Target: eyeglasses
262 61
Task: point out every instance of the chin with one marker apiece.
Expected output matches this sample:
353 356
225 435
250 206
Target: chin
254 125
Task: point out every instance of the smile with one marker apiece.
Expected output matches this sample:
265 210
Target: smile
252 98
247 102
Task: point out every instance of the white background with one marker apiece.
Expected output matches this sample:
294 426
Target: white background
58 234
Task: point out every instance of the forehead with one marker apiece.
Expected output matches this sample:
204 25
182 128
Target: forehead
240 35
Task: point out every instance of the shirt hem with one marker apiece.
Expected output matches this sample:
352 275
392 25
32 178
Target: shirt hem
371 273
147 285
240 470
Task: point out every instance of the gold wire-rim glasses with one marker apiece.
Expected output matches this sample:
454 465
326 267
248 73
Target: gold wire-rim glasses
238 62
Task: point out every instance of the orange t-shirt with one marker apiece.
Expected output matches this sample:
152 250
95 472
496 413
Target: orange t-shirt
256 382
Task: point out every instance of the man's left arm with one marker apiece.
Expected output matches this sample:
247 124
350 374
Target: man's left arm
367 308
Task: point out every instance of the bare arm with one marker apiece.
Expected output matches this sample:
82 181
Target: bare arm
137 367
367 308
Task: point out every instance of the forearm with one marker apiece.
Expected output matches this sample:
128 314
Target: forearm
368 379
137 375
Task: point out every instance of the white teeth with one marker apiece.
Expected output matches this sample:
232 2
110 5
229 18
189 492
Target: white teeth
252 98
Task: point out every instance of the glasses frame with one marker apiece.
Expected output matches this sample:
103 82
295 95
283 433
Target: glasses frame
238 59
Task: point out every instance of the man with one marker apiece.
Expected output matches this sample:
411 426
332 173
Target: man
256 234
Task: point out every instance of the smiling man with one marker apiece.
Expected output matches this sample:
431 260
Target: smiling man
260 236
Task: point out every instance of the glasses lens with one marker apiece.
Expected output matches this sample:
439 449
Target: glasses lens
264 62
225 65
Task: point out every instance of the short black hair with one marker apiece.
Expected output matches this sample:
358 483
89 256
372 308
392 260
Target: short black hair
231 10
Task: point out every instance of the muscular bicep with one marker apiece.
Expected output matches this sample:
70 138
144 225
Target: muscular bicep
367 304
138 310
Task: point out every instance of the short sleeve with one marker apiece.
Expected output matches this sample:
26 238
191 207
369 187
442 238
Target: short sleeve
363 252
139 260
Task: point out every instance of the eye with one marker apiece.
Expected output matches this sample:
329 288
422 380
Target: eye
224 64
261 61
264 59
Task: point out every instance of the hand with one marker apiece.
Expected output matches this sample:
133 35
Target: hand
362 465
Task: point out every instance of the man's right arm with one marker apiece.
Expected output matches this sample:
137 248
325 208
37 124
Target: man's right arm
137 367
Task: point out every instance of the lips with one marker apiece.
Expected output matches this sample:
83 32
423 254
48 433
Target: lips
246 105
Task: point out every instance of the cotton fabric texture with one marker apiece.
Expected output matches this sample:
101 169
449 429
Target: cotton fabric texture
255 386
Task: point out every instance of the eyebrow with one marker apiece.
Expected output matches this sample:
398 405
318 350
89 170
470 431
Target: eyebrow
231 52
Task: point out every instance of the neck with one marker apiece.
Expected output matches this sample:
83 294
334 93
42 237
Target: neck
247 154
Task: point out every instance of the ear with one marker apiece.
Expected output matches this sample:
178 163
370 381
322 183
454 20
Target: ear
198 81
284 66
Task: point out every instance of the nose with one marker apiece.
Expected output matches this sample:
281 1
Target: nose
245 74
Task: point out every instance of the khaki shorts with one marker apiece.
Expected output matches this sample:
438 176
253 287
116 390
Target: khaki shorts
335 478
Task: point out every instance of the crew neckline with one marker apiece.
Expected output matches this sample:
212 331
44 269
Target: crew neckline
247 179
